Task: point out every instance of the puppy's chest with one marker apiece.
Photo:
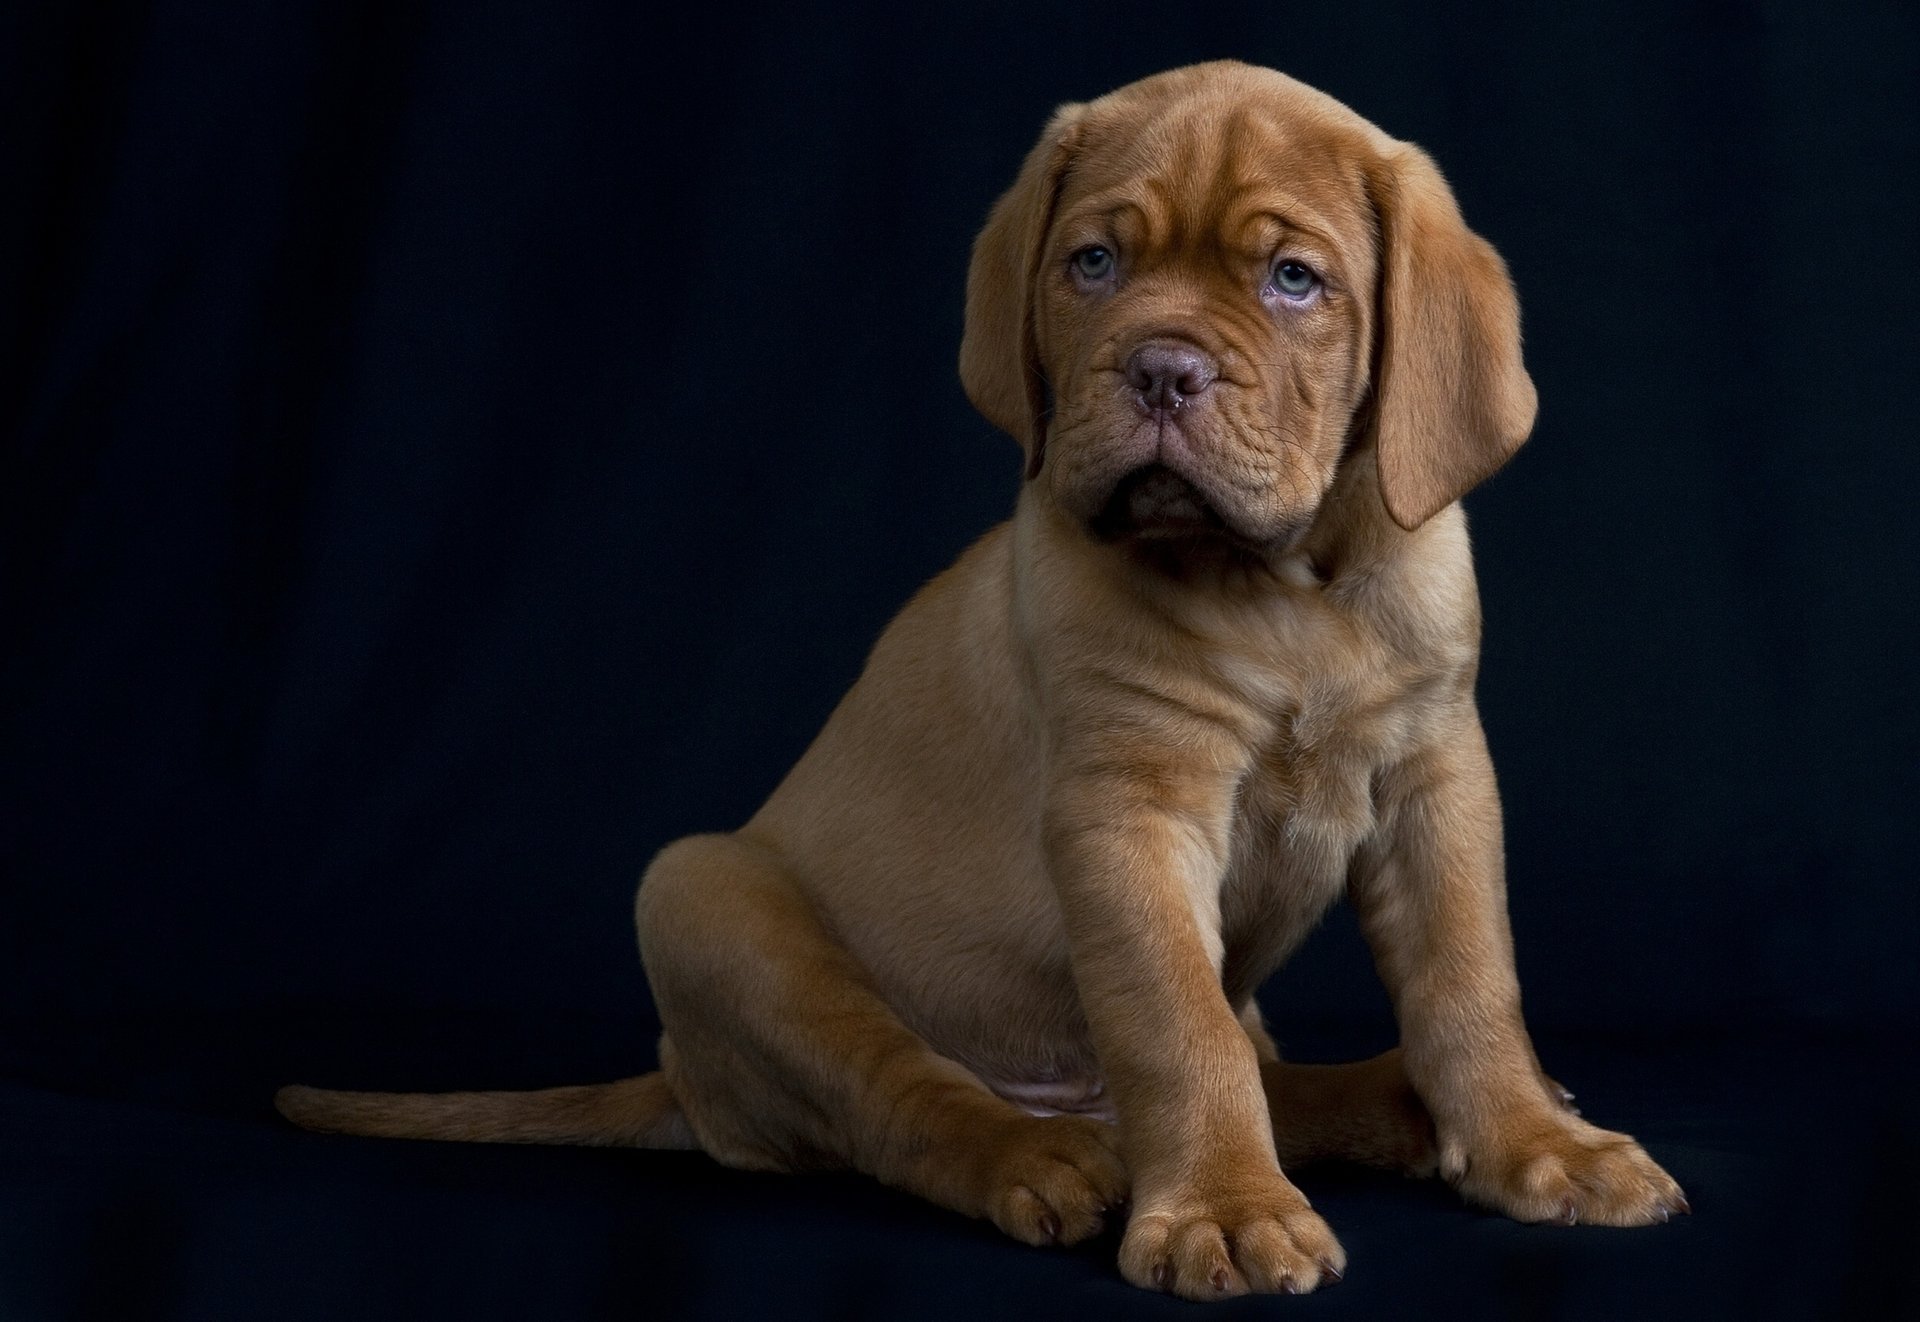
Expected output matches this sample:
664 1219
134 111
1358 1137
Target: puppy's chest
1306 804
1308 794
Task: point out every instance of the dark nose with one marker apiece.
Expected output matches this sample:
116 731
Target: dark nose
1169 375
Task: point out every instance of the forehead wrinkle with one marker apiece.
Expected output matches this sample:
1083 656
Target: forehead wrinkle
1295 166
1242 191
1169 174
1167 194
1196 179
1127 213
1120 213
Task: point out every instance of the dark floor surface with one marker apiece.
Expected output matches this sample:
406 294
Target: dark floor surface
143 1174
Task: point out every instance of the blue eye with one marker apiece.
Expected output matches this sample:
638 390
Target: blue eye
1093 263
1294 279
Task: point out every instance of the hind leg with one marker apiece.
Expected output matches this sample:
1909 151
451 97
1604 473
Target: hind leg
1363 1112
783 1058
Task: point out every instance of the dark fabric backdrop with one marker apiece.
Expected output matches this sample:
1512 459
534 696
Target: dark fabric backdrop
453 449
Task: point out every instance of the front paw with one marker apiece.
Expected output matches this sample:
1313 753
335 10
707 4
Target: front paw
1555 1167
1212 1241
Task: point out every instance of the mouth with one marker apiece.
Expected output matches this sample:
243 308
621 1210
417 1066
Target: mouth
1155 502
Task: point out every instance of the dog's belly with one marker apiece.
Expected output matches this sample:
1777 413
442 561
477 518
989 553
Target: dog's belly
1015 1021
1084 1094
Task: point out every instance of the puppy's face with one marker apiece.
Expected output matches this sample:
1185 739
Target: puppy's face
1206 288
1202 315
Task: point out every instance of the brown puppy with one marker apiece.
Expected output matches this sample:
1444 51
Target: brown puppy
1101 776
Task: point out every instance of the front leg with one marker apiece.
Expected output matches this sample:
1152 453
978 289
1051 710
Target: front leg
1431 895
1138 851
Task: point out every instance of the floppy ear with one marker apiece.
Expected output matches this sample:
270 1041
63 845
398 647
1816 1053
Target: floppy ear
1451 399
999 358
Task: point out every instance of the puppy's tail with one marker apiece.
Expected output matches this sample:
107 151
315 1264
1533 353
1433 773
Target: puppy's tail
632 1113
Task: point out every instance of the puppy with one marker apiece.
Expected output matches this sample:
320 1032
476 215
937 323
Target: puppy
995 938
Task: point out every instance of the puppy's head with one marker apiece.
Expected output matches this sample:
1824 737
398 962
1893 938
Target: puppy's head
1204 287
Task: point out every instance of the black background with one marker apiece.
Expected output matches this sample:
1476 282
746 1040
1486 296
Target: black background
453 449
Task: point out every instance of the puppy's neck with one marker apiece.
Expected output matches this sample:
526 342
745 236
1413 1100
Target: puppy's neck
1352 534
